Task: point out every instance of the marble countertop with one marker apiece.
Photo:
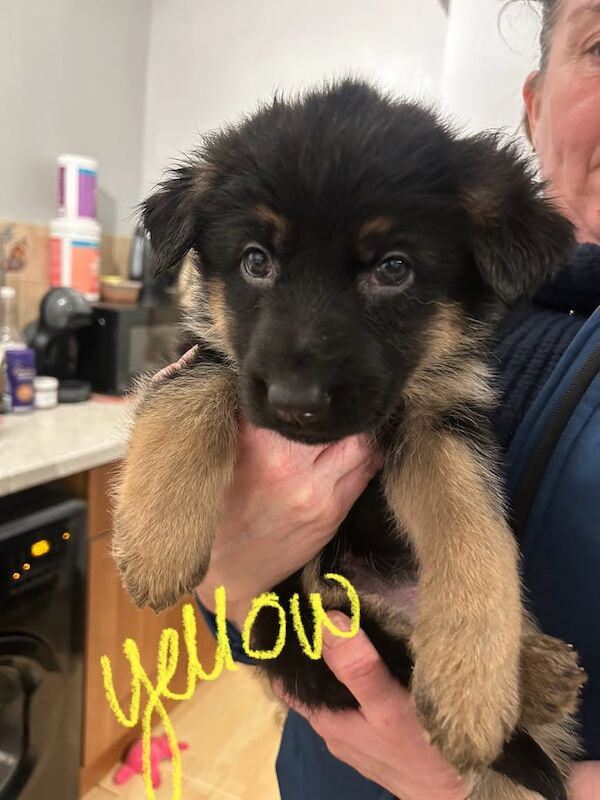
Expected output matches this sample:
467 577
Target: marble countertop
44 445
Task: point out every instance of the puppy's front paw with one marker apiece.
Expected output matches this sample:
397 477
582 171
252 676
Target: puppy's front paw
179 465
158 564
468 710
551 679
150 579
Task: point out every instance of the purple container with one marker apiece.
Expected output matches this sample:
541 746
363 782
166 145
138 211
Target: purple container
77 186
19 365
87 193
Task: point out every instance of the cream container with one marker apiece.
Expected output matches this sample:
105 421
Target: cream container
46 391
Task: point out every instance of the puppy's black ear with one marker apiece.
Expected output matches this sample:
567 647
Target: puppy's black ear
171 215
518 237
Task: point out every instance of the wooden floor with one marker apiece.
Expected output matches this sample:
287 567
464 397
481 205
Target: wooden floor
233 727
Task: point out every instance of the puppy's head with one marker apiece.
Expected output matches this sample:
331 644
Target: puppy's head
332 233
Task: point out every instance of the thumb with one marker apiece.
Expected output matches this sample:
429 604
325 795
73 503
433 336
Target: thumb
358 665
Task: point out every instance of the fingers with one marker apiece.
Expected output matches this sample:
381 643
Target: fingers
172 369
331 462
358 665
276 447
585 780
349 487
343 456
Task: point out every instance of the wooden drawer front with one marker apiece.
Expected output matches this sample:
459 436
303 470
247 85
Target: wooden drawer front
112 618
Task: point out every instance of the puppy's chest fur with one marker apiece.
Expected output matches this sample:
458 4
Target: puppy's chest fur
373 554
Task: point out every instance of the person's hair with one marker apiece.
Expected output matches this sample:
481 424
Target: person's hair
549 15
550 9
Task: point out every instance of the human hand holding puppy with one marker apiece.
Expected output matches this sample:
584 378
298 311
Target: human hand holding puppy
285 503
383 739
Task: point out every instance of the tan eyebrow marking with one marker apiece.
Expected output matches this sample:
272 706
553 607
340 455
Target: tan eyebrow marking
368 233
277 221
375 225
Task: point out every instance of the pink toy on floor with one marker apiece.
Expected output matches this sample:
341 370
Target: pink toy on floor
132 763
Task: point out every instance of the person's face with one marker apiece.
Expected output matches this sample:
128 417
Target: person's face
563 107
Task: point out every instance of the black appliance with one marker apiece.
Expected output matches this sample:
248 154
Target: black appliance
42 597
101 346
123 341
53 337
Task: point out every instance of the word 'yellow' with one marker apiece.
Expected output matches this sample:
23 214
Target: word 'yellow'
168 656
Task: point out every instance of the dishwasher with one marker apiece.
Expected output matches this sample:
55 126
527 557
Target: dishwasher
42 626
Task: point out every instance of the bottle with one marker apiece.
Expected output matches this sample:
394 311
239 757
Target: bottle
19 377
10 338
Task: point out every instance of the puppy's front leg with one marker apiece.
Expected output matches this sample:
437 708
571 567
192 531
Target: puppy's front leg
467 634
179 464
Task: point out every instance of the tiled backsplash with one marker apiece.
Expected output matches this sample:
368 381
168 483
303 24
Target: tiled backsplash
27 264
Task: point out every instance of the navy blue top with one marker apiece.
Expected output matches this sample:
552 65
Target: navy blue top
529 343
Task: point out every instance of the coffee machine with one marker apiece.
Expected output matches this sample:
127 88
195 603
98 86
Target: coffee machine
54 339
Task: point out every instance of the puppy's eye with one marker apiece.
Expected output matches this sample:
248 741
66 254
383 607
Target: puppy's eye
394 270
257 264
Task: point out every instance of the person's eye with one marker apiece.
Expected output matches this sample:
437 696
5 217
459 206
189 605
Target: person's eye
257 264
594 50
394 271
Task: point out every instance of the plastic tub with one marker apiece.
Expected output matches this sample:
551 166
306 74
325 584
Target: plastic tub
46 391
75 256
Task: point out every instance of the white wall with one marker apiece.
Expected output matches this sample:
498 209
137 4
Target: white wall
209 61
132 81
72 79
488 56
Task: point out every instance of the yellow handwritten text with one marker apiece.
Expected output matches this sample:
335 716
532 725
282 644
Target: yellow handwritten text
168 657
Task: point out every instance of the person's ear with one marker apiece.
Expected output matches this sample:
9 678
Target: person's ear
172 215
531 98
517 236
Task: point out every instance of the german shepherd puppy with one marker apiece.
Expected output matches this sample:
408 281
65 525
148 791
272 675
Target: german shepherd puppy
353 254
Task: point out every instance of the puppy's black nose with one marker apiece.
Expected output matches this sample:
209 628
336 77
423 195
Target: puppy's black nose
297 402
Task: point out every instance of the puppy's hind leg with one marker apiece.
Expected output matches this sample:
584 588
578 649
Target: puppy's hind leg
179 464
551 679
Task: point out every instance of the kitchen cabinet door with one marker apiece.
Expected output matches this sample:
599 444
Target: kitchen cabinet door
111 619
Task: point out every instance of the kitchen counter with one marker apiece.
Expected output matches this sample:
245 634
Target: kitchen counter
47 444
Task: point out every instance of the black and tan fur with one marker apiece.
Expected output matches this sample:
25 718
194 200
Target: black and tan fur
328 180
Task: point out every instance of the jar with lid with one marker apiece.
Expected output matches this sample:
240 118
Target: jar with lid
46 391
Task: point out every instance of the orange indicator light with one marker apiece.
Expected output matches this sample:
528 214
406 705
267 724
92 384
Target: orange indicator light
40 548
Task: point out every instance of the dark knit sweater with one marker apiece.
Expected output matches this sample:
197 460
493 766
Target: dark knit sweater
530 341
